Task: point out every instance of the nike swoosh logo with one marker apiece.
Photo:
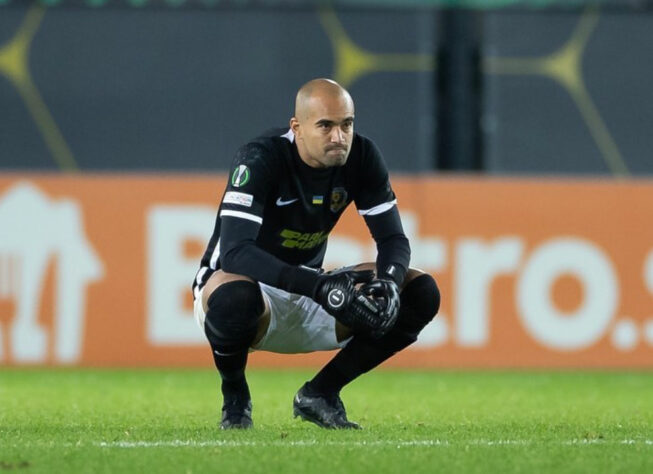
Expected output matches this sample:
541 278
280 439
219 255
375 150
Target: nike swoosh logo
280 202
224 354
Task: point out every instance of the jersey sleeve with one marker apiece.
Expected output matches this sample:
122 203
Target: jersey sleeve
250 180
393 248
375 194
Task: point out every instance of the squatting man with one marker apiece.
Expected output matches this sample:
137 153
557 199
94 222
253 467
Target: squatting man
260 285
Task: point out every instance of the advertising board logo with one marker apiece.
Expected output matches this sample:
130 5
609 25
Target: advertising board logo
38 232
476 264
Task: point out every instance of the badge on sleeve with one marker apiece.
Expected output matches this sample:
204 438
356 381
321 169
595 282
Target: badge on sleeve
240 176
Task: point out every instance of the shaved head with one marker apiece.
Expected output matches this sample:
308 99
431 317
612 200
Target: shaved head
319 89
323 123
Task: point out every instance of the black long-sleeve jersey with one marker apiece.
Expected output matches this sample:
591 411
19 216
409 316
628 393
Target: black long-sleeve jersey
277 212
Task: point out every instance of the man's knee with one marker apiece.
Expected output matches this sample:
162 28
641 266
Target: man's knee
233 311
421 297
420 302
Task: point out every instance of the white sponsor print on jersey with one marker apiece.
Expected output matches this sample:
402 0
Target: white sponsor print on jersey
36 231
242 199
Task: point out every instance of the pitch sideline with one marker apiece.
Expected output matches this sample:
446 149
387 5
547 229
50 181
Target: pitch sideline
388 443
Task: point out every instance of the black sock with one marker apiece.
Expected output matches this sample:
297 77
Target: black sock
420 301
230 326
356 358
232 372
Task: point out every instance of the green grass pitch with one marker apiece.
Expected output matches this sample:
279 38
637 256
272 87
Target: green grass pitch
160 421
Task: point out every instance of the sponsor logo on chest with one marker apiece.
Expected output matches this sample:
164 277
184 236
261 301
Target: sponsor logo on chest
302 240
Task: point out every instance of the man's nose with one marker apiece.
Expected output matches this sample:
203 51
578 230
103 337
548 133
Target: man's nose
336 135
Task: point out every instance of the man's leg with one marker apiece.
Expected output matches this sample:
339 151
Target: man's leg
420 301
236 318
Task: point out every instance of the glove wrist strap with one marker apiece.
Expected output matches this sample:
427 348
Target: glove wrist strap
393 272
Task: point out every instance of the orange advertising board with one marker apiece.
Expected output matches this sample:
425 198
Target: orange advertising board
95 270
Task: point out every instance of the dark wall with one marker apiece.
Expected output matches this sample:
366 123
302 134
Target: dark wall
557 91
568 92
173 89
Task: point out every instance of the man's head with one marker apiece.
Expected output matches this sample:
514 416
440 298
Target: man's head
323 123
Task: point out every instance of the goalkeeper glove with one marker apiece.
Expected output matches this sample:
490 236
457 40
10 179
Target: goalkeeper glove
386 293
337 294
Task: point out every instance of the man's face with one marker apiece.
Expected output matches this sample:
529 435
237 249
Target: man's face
325 131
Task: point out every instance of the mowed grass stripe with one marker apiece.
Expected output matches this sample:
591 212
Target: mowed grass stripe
166 421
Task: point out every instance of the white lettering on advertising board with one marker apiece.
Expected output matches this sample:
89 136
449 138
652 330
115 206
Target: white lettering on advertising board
35 232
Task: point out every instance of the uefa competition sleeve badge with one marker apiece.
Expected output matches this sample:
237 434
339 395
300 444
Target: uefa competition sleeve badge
240 176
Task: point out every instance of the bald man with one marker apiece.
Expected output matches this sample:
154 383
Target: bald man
260 285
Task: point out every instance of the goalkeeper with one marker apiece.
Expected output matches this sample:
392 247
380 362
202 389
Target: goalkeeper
260 285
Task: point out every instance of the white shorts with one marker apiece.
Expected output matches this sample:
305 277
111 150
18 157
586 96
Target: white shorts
297 323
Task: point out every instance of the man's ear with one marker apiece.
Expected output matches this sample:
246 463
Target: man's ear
294 125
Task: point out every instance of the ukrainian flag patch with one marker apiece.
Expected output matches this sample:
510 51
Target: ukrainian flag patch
318 199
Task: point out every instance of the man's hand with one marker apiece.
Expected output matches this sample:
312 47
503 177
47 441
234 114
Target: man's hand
386 293
337 294
336 291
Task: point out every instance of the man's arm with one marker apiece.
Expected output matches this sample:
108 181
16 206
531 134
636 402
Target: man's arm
377 203
393 249
393 257
240 254
336 293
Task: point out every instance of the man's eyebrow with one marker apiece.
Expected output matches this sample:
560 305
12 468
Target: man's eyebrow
331 122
